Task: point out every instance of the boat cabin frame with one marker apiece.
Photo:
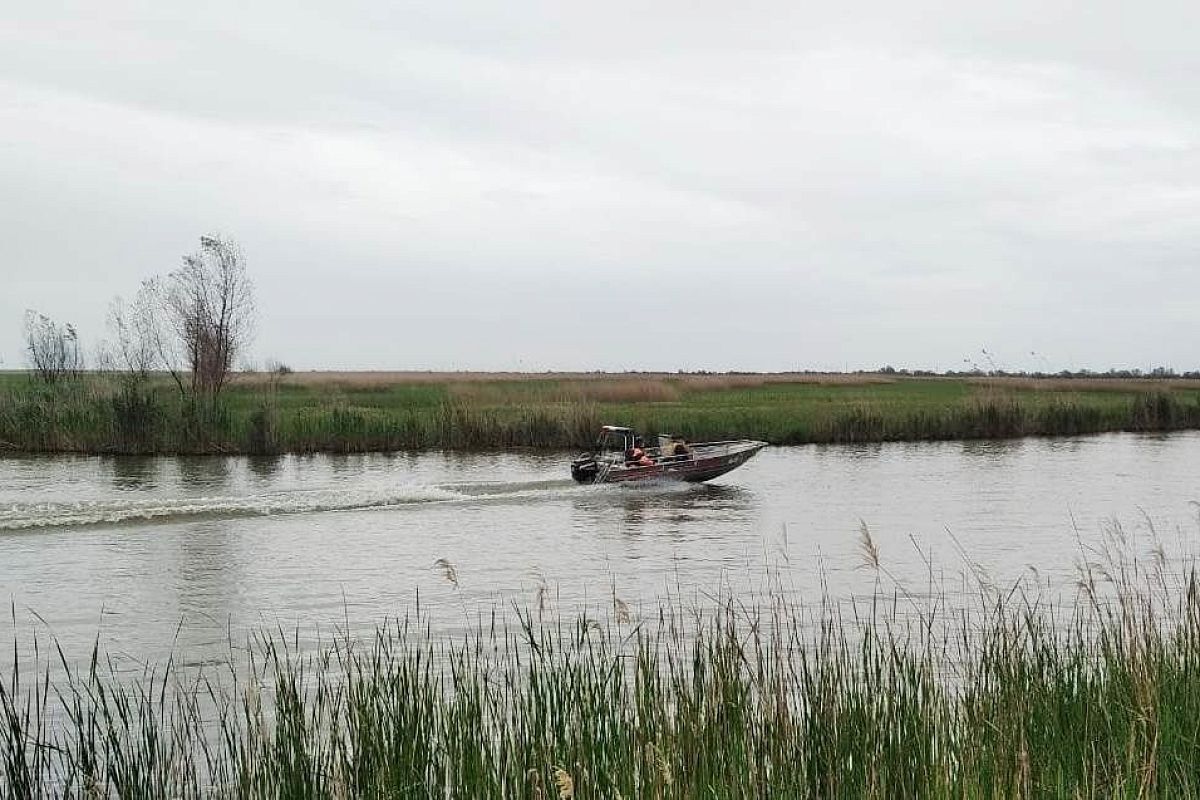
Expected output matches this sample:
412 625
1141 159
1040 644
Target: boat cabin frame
614 439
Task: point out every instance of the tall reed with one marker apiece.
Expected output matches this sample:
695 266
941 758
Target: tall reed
102 415
731 698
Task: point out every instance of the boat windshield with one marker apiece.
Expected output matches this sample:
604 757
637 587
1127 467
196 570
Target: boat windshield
615 441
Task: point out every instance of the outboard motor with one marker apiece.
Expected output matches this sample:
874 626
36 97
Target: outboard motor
584 468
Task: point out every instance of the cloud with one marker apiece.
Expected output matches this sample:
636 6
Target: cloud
835 186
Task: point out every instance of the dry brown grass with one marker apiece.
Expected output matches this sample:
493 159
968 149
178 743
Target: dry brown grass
689 381
594 391
716 382
384 378
483 388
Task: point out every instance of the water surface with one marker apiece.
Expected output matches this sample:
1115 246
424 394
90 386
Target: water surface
152 554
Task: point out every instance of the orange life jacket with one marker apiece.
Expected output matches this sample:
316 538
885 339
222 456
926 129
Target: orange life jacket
637 455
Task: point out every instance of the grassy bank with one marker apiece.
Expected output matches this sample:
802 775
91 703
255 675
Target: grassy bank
729 700
365 411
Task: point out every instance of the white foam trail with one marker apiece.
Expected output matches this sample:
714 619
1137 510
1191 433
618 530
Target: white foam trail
54 515
129 510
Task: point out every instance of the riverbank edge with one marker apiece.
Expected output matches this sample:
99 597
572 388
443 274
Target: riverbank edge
350 448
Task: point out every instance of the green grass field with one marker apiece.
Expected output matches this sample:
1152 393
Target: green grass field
390 411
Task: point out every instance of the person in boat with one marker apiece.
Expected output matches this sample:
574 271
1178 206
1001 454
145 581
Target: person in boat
636 455
673 447
679 448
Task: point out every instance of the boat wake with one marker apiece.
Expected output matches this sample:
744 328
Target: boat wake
165 510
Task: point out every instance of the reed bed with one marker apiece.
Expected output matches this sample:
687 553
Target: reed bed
99 414
883 697
1096 384
573 391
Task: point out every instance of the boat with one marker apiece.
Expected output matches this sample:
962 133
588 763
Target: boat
673 459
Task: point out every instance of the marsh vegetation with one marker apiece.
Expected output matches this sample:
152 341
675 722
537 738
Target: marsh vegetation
897 694
353 412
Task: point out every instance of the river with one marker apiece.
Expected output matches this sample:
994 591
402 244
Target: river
185 555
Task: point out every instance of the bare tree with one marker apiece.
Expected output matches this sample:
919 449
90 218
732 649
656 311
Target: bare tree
193 323
132 349
53 350
209 305
143 337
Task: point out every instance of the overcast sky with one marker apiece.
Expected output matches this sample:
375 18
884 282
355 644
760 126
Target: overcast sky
559 185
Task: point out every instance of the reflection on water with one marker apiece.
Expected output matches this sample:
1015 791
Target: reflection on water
853 452
996 451
134 473
265 467
656 508
209 572
138 549
202 471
